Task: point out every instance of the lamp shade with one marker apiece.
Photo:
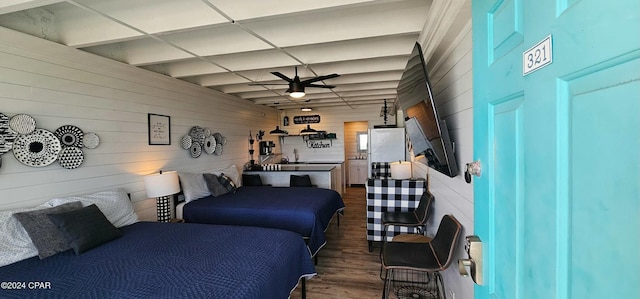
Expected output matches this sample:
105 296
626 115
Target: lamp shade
400 170
162 184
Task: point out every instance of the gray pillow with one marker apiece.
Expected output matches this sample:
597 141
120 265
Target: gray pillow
213 183
85 228
43 233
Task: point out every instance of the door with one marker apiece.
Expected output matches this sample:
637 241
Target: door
557 203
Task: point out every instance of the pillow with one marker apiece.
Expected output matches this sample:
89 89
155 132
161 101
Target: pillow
227 183
43 233
213 183
85 228
15 244
231 171
193 186
251 180
300 181
115 205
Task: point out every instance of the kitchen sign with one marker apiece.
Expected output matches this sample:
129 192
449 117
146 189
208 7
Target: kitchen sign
306 119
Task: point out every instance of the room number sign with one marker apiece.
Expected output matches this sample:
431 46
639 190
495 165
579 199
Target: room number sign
537 56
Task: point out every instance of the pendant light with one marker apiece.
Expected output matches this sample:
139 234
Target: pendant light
308 131
278 132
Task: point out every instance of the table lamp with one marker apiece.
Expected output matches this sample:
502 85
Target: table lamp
160 186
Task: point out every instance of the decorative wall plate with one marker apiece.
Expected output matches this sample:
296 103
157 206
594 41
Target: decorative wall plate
22 124
196 150
224 140
218 137
209 145
207 132
70 136
91 140
186 142
218 150
71 157
38 149
197 134
7 136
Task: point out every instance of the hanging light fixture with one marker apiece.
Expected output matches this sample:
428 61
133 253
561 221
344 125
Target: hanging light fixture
278 132
305 109
384 112
308 131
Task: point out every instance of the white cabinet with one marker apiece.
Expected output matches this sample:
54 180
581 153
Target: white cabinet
357 171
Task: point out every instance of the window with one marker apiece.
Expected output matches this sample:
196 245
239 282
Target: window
362 140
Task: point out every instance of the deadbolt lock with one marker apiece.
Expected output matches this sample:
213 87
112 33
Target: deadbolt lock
473 246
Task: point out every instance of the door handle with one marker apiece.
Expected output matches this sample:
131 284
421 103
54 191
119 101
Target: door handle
473 168
473 246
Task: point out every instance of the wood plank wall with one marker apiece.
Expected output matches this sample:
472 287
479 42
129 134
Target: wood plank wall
331 120
451 78
61 86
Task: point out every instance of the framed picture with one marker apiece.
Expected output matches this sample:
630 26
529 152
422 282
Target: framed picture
159 129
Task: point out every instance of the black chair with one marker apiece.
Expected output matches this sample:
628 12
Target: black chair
416 218
413 269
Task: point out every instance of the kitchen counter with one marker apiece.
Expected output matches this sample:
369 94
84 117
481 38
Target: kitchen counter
323 176
313 162
297 167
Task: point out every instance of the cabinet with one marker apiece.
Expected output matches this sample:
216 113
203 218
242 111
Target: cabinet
357 171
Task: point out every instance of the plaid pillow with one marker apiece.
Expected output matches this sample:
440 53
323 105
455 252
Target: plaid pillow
227 182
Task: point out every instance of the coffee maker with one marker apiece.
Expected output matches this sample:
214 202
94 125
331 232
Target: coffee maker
266 147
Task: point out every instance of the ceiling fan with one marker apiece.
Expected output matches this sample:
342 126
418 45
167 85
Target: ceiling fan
296 87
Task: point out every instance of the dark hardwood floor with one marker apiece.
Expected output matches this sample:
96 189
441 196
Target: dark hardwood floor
346 269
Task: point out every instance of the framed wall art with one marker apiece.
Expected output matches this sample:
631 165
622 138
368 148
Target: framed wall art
159 129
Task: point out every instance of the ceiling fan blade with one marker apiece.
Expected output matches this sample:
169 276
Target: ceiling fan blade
253 84
320 85
320 78
281 76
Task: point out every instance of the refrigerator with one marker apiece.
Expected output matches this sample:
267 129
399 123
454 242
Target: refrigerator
386 145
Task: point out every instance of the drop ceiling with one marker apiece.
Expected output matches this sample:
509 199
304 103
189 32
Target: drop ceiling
226 45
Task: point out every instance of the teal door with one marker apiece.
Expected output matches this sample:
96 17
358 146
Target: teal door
557 204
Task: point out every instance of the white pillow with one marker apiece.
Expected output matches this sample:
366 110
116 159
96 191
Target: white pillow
16 244
193 186
114 204
231 171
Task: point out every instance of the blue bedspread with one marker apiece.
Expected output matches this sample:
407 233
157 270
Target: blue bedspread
304 210
162 260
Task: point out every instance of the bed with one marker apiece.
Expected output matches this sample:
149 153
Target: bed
148 259
304 210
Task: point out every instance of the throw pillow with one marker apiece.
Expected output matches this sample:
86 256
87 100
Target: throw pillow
251 180
300 181
115 205
231 171
43 233
213 183
85 228
227 182
15 244
193 186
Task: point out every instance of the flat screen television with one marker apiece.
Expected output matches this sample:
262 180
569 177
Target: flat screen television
428 133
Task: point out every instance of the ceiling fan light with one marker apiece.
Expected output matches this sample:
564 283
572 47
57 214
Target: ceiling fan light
297 94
